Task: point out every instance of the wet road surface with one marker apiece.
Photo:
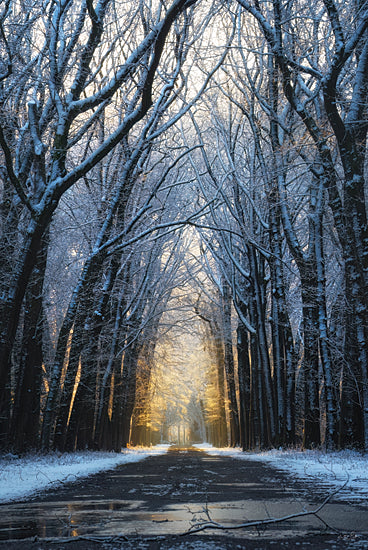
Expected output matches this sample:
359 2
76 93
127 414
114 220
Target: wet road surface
150 504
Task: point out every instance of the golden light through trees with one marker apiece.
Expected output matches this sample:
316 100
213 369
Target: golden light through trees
181 405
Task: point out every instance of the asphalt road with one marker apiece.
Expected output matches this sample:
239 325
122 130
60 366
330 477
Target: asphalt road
155 503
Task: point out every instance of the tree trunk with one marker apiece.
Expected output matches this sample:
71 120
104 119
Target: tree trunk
10 314
229 366
311 435
284 360
267 397
25 422
87 281
129 381
244 375
73 367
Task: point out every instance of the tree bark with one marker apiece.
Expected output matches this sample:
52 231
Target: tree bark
25 421
244 375
229 365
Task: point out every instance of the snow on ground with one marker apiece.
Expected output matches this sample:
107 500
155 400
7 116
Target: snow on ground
326 470
21 477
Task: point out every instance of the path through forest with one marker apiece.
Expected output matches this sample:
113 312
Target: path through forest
150 504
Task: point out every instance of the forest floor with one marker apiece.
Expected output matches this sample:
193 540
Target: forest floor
153 504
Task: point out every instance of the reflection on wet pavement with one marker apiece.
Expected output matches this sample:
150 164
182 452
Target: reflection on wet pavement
70 519
168 495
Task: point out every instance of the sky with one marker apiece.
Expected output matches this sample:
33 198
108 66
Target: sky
21 478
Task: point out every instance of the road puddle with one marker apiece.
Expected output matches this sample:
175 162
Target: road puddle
104 517
71 519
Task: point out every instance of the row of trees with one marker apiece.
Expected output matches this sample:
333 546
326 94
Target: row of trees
89 95
120 126
289 119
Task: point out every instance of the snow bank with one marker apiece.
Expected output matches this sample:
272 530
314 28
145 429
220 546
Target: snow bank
21 477
330 470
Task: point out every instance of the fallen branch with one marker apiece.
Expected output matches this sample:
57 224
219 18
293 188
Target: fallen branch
210 524
89 538
99 539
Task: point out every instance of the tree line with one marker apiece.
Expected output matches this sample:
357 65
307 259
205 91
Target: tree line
120 127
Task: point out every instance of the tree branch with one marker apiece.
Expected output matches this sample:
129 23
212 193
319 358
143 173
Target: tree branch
210 524
11 174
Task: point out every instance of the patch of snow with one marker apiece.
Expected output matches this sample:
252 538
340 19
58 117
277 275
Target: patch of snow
21 477
203 446
347 470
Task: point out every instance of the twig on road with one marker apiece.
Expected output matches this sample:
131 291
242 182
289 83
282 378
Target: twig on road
211 524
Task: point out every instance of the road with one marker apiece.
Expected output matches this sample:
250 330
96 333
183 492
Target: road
154 503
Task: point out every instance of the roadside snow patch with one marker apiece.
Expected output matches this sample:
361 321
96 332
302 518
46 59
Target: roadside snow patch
21 477
330 470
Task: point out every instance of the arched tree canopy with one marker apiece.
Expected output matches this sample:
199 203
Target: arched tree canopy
183 220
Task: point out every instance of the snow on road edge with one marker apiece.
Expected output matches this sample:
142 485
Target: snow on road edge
328 470
22 477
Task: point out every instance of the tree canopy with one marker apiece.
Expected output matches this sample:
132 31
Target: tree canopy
177 175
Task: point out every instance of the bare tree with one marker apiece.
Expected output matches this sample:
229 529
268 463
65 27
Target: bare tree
331 96
80 62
